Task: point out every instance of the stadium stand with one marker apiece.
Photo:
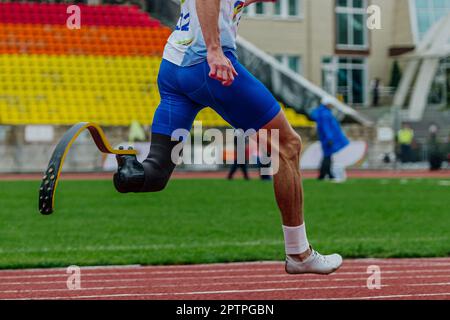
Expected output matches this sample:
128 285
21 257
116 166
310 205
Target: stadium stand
104 72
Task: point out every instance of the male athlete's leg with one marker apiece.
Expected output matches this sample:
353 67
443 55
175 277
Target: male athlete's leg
289 195
287 180
176 111
247 104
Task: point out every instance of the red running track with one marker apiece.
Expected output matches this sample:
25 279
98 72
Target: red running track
400 279
308 174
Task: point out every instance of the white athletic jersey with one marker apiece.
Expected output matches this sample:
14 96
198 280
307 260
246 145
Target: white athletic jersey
186 45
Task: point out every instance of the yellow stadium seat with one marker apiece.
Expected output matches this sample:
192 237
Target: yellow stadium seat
66 77
77 88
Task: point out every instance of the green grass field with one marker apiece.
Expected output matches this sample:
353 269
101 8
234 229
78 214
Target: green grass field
198 221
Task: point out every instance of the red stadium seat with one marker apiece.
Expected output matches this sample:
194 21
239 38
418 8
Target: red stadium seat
44 13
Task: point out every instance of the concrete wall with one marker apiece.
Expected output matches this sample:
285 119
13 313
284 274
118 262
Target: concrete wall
395 33
18 155
313 36
310 37
402 29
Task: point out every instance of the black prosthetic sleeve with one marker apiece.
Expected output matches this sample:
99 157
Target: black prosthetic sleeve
159 166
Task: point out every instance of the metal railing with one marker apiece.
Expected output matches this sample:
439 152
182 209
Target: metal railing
288 86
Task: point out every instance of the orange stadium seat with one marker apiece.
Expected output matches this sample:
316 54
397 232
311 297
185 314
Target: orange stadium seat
54 75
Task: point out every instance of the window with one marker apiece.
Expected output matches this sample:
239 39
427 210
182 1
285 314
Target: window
351 31
293 62
425 13
282 9
293 8
260 8
346 77
277 8
279 57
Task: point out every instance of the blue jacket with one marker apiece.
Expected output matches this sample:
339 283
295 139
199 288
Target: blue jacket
330 133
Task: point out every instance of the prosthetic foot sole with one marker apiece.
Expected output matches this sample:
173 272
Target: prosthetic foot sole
50 179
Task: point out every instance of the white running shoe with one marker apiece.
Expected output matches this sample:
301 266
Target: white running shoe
315 263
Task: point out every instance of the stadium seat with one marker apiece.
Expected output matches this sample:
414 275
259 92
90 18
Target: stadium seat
104 72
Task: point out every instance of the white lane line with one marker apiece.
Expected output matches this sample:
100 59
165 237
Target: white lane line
120 267
281 264
64 276
220 283
142 271
398 261
428 284
33 270
156 294
72 291
416 295
395 262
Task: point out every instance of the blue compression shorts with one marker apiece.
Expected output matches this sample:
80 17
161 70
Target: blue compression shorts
246 104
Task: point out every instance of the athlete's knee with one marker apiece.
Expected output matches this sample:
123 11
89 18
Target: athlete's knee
160 163
291 146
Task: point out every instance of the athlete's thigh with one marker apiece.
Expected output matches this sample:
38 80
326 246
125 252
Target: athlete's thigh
176 110
247 103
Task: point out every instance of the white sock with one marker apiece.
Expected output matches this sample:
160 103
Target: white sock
295 240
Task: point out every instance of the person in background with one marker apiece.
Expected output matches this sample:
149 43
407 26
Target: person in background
447 150
435 157
405 139
237 164
331 136
264 177
376 92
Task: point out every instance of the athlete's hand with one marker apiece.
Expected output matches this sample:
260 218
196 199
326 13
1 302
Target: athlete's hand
221 68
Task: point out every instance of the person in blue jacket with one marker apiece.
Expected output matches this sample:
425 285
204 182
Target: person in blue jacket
331 136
